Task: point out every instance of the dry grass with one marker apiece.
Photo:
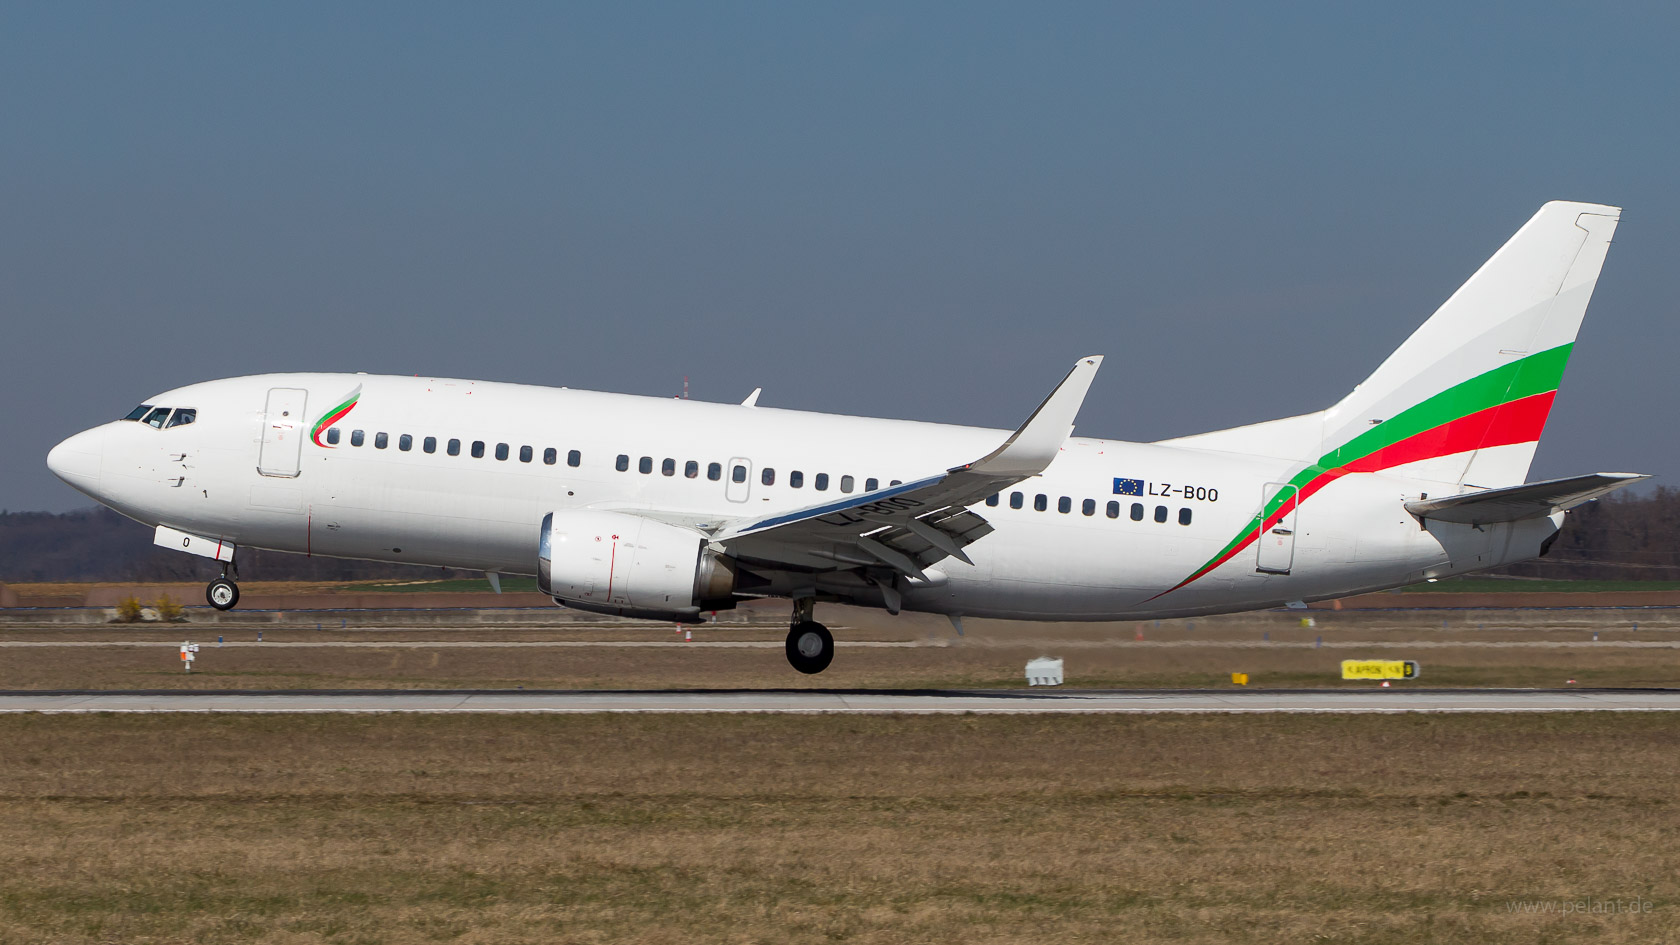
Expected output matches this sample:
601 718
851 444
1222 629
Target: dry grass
1191 654
814 829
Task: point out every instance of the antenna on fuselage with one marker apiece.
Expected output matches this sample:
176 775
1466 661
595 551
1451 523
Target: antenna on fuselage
752 398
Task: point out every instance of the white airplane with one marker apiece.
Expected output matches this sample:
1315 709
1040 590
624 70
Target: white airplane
662 508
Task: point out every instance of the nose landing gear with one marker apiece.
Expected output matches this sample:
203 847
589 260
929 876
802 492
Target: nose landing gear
810 647
222 593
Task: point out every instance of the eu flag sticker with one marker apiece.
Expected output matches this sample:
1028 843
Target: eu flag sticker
1128 486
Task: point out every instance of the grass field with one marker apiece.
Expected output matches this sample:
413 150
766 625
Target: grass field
1471 648
821 829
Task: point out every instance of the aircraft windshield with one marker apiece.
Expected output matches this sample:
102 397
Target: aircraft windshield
161 418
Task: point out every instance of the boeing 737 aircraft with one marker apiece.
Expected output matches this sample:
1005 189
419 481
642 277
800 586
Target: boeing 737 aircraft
652 507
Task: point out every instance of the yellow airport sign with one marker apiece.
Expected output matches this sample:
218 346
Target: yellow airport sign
1380 669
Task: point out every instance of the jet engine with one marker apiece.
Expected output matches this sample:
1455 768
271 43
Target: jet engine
628 566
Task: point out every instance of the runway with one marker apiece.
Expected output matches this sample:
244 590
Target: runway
920 702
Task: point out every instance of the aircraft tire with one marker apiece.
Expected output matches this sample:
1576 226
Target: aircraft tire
222 594
810 647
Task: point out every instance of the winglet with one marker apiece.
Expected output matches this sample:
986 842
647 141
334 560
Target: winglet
1031 448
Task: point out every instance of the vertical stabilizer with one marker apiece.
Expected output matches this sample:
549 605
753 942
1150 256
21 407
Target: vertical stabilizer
1465 399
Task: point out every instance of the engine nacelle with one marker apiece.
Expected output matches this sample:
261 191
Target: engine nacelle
625 565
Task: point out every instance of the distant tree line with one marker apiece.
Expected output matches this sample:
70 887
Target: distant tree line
1626 536
1623 537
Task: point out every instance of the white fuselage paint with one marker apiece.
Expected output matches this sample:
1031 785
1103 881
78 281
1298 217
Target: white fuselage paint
436 509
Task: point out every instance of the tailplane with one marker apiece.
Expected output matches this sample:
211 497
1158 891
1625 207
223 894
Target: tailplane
1465 398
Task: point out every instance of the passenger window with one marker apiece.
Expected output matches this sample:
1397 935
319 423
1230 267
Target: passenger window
478 449
573 458
739 474
714 471
429 444
870 485
992 500
845 483
623 463
767 475
822 482
526 454
1064 505
1015 499
454 447
691 470
405 442
356 437
551 456
645 465
1113 510
1183 516
157 417
381 440
502 451
1160 513
139 412
1089 507
183 416
332 436
796 479
1137 511
897 482
668 468
1041 502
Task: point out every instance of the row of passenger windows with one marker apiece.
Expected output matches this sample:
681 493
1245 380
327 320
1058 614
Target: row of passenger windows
738 473
714 471
405 442
1064 505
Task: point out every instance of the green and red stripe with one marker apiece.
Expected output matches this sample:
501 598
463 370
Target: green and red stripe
334 415
1504 406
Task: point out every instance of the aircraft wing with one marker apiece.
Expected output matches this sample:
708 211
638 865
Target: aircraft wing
1514 503
910 526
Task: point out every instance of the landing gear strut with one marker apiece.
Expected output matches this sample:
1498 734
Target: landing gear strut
222 593
810 647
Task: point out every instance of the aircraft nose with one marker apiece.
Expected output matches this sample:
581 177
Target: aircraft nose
77 460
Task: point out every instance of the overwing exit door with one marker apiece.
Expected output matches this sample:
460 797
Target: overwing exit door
739 486
283 432
1277 542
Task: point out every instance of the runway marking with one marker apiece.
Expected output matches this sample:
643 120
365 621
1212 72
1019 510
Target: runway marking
884 702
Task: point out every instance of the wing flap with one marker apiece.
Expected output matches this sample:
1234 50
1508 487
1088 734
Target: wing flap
1515 503
910 526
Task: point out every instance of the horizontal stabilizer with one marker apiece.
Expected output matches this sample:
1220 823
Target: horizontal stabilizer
1514 503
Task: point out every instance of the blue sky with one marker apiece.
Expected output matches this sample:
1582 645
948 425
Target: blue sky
909 210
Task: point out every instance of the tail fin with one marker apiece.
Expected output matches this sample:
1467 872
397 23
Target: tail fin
1465 398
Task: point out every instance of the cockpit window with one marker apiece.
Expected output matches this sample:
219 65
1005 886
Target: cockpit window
183 416
139 412
156 417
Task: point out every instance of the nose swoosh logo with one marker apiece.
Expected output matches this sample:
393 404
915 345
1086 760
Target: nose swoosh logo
334 415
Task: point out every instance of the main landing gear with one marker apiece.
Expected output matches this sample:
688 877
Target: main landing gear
222 593
810 647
